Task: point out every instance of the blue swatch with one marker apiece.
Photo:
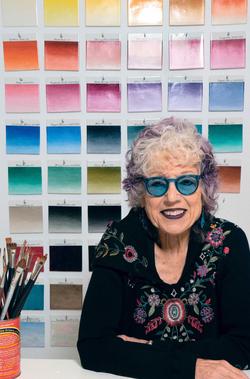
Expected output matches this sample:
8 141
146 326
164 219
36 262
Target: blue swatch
226 96
22 139
32 334
63 139
185 96
133 132
103 139
35 300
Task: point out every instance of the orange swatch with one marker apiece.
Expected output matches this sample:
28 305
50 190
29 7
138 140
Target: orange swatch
61 55
20 55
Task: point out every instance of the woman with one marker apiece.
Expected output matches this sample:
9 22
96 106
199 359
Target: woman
169 296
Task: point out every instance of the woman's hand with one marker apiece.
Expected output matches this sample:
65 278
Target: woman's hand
133 339
212 369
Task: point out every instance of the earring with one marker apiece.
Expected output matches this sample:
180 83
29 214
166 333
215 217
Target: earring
202 219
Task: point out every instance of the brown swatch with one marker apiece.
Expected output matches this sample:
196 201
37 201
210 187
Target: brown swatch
229 179
65 296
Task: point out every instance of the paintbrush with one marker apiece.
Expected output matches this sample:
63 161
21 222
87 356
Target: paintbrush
3 281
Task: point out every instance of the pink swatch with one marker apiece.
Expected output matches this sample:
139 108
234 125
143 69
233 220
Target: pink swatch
63 98
22 98
229 53
103 98
186 54
139 57
103 55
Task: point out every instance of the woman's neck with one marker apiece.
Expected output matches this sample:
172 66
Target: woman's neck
174 244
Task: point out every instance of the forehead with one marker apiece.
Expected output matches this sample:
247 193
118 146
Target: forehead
171 167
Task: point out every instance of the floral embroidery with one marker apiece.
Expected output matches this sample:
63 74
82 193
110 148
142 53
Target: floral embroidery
202 271
207 314
193 299
130 255
215 237
140 315
226 250
174 312
153 300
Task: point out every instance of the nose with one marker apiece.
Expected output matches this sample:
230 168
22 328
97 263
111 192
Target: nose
172 193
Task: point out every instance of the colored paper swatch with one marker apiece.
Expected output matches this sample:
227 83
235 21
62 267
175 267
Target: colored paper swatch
65 219
103 139
66 296
103 97
92 253
35 300
144 97
64 180
103 180
63 97
103 55
228 53
229 11
22 139
198 128
226 138
185 96
25 180
144 12
185 53
19 13
33 334
133 132
64 333
138 56
229 179
186 12
25 219
61 55
99 216
20 55
226 96
61 12
36 252
65 258
103 12
22 98
63 139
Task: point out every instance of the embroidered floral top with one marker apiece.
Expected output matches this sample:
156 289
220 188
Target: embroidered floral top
206 314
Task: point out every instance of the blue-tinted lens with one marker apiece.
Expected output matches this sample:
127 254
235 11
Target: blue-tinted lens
187 184
156 186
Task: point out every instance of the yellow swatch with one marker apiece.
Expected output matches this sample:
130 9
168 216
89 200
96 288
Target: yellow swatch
61 12
103 12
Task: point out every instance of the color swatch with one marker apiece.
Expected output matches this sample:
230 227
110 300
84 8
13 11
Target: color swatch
103 55
64 333
226 96
229 11
103 180
65 219
229 179
186 12
64 180
22 98
66 296
26 219
35 300
138 47
103 139
61 12
226 138
102 12
37 252
186 51
63 97
33 334
20 55
65 258
22 139
25 180
19 13
144 12
185 96
228 53
133 132
103 97
99 216
144 97
61 55
63 139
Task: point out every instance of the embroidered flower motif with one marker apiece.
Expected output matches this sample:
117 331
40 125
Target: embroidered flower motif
153 300
226 250
130 254
207 314
174 312
140 315
193 299
215 237
202 271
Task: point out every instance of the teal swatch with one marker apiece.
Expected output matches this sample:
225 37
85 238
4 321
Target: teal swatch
25 180
64 180
226 138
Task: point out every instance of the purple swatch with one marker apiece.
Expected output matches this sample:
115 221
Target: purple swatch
103 97
185 96
63 98
144 97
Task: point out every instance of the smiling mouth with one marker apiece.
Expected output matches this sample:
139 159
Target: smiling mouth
173 214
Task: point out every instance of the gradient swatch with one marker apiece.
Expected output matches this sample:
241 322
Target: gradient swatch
64 180
103 180
103 139
144 97
63 97
186 12
33 334
25 180
61 12
229 179
229 11
103 55
103 12
22 139
226 138
19 13
103 97
63 139
228 53
20 55
65 219
61 55
100 215
22 98
66 296
144 12
133 133
64 333
185 52
185 96
26 219
35 300
138 56
65 258
226 96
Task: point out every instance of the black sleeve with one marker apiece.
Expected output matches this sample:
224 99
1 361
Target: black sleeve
101 350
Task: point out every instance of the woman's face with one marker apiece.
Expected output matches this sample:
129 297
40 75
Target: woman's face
173 213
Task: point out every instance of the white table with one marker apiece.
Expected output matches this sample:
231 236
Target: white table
62 369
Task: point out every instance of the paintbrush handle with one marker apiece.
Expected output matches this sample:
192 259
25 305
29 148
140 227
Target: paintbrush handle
20 303
10 294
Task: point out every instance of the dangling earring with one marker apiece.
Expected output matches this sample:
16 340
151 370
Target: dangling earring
202 219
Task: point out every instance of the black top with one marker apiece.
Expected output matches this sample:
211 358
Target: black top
206 314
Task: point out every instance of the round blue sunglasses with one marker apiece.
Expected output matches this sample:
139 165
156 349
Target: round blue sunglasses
185 184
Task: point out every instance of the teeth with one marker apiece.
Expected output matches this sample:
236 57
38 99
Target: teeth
174 212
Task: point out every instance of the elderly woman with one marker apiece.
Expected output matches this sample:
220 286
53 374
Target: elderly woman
169 297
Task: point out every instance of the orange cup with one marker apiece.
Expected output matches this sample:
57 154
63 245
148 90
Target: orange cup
10 348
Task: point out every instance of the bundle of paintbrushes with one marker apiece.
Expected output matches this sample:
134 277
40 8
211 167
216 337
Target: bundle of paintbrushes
16 283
